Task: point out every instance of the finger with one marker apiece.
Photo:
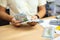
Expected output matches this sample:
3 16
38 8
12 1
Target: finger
32 23
34 17
17 24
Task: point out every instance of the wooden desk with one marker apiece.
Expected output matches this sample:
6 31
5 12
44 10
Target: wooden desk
9 32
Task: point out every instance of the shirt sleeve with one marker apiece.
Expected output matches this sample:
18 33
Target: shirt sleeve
41 2
3 3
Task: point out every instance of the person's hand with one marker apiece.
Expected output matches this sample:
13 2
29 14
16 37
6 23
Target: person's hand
15 22
33 23
34 17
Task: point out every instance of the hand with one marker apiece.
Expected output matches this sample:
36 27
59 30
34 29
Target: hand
15 22
34 17
33 23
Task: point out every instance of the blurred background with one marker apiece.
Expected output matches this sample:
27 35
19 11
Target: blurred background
53 7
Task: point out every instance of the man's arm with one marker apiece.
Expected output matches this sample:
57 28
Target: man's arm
42 11
4 15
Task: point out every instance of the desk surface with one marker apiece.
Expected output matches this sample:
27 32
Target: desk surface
10 32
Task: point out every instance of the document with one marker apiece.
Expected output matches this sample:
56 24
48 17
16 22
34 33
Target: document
58 38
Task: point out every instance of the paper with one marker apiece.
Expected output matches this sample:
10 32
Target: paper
58 38
46 23
57 31
48 32
23 18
